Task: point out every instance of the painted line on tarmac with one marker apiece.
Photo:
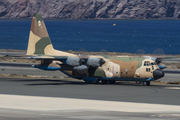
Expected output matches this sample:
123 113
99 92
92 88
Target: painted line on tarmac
55 103
24 68
173 88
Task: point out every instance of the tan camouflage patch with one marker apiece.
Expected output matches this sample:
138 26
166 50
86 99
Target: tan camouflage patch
127 69
141 72
31 44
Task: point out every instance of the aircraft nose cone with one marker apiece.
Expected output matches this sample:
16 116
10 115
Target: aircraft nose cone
158 74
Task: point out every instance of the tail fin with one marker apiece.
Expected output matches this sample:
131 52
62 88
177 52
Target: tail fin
39 41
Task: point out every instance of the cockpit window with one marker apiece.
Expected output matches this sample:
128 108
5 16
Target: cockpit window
146 63
148 69
152 67
153 63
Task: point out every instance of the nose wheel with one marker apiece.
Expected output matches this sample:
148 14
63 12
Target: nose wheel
146 83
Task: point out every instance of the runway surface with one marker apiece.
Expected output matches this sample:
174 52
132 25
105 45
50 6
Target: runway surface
24 98
129 92
44 99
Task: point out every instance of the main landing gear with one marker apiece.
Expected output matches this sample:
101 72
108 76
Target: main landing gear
102 81
146 83
91 82
108 81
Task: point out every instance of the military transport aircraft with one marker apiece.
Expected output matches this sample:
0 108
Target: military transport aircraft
91 69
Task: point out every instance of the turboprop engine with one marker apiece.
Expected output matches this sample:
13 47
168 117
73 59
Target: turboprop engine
73 61
93 62
81 68
81 64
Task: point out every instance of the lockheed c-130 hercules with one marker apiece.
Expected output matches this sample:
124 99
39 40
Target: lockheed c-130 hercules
107 69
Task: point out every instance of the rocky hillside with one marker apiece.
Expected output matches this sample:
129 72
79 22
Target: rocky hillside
84 9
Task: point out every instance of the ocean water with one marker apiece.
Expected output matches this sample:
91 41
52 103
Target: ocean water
94 35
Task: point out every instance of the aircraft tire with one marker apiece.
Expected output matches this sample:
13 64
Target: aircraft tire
104 81
112 82
88 82
95 82
146 83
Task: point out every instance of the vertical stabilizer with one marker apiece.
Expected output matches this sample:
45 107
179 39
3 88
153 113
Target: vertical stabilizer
39 41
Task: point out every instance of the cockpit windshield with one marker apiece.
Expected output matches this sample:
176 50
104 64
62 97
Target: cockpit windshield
146 63
153 63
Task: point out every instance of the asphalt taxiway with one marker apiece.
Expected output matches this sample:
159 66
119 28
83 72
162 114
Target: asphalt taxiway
24 98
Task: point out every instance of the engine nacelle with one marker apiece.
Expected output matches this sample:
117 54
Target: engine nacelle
73 61
95 62
81 68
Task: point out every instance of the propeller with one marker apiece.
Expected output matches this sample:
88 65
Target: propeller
83 56
83 53
159 55
103 53
140 52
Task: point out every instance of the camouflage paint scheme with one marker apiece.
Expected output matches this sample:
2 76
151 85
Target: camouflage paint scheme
114 68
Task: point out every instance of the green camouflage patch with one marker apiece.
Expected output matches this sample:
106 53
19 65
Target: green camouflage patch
38 17
41 45
99 73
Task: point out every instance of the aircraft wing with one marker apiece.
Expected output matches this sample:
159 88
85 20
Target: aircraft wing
39 57
66 60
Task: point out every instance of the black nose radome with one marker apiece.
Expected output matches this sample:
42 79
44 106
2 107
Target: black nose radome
158 74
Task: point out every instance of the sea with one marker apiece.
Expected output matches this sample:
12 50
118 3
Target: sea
125 36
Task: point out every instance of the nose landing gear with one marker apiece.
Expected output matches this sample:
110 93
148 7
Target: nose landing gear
146 83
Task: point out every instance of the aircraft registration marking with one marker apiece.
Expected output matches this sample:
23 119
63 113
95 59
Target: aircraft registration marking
39 23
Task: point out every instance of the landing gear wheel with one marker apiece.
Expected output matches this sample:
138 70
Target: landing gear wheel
95 82
104 81
112 82
88 82
146 83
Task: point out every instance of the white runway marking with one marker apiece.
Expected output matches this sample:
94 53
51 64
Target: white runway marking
173 88
16 68
55 103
